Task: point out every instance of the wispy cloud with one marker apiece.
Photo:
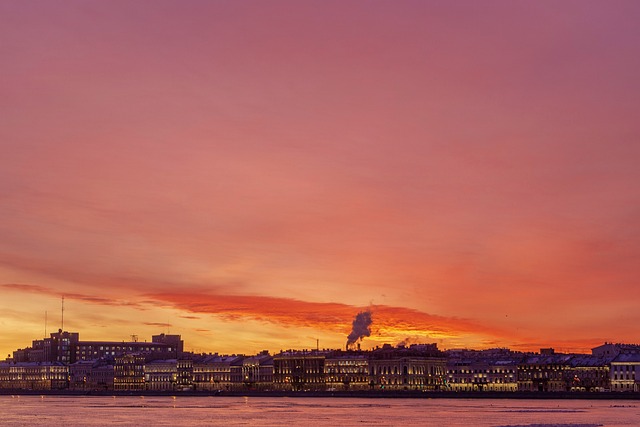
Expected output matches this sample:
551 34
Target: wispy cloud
92 299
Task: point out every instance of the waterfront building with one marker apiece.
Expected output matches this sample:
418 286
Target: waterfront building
102 377
257 371
544 373
128 372
185 374
347 371
34 375
161 375
214 372
625 372
482 375
588 373
91 375
417 367
299 370
80 374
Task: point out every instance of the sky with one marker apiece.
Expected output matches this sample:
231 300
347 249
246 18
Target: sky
252 174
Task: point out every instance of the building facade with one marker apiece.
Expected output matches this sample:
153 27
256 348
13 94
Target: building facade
128 372
625 373
299 370
417 367
215 373
347 371
34 375
482 375
161 375
257 372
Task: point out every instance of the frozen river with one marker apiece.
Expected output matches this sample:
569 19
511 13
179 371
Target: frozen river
72 411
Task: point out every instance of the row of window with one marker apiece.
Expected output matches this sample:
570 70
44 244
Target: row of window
625 368
481 371
91 348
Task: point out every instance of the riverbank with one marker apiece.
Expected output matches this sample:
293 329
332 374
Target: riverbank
376 394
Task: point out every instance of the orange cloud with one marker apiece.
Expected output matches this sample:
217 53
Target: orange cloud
391 324
325 316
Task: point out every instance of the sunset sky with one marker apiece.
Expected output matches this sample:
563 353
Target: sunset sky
253 174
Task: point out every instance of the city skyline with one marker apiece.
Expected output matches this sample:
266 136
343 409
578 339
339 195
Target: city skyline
173 343
252 175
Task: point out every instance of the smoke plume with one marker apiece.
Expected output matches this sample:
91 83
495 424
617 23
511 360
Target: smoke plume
360 328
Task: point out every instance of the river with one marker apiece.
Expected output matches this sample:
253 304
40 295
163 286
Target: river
72 411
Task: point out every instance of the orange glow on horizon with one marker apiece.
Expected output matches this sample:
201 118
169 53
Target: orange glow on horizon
252 175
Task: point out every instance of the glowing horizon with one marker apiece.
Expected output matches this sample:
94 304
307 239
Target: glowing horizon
252 175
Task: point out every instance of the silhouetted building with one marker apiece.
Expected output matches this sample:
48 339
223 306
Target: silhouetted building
93 350
611 350
173 341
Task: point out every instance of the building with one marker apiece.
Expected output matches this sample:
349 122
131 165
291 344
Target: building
66 347
611 350
102 377
174 342
91 375
482 375
34 375
161 375
80 374
184 379
544 373
257 371
214 372
57 348
299 370
93 350
347 370
625 372
588 373
128 372
417 367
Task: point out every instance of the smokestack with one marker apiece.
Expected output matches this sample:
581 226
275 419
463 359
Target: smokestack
360 328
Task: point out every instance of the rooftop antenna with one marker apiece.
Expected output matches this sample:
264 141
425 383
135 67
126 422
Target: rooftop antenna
63 312
45 324
318 344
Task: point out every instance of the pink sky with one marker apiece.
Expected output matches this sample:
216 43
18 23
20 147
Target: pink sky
251 175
